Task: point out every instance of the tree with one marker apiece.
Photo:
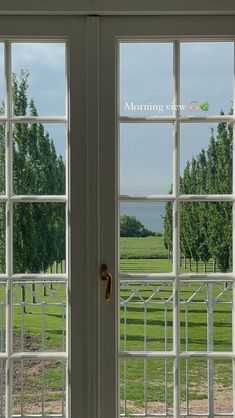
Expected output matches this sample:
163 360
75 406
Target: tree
37 169
206 228
168 231
185 188
130 226
2 206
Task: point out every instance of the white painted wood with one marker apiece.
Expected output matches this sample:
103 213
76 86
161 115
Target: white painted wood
73 32
134 29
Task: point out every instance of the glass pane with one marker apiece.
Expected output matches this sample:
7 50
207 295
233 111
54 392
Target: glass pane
206 316
146 78
142 391
39 237
206 384
39 159
206 154
146 155
39 388
146 237
2 80
39 316
206 237
2 388
194 387
206 78
223 386
2 159
39 79
2 238
146 316
2 318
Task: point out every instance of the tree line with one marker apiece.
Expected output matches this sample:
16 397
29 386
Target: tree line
38 228
206 227
130 226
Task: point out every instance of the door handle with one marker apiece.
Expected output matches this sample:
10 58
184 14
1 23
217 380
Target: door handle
106 276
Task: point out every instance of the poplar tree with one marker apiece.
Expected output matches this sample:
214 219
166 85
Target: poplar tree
38 228
206 228
2 206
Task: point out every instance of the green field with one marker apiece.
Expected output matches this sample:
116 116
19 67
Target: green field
146 323
149 255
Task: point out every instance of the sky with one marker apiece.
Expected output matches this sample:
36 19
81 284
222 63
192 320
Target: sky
45 63
146 77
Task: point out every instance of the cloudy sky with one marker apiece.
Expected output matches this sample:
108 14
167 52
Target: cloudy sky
45 63
146 77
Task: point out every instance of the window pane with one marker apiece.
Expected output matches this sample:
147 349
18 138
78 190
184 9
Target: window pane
41 391
206 237
194 386
202 380
142 391
206 154
38 78
2 80
146 316
39 237
146 237
39 158
206 77
206 316
2 238
39 316
223 386
146 155
146 78
2 159
2 318
2 388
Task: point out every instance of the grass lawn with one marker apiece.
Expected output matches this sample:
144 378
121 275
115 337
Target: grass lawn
146 323
149 326
149 255
37 326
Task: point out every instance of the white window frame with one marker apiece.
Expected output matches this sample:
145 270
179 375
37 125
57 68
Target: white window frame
94 380
9 199
176 278
144 29
72 32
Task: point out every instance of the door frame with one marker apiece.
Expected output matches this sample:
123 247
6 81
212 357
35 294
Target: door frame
93 102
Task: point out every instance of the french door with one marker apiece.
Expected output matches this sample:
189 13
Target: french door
105 121
163 120
43 135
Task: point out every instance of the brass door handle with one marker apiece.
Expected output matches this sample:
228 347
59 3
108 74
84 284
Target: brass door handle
106 276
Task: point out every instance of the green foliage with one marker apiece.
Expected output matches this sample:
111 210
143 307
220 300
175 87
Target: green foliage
39 228
130 226
206 228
